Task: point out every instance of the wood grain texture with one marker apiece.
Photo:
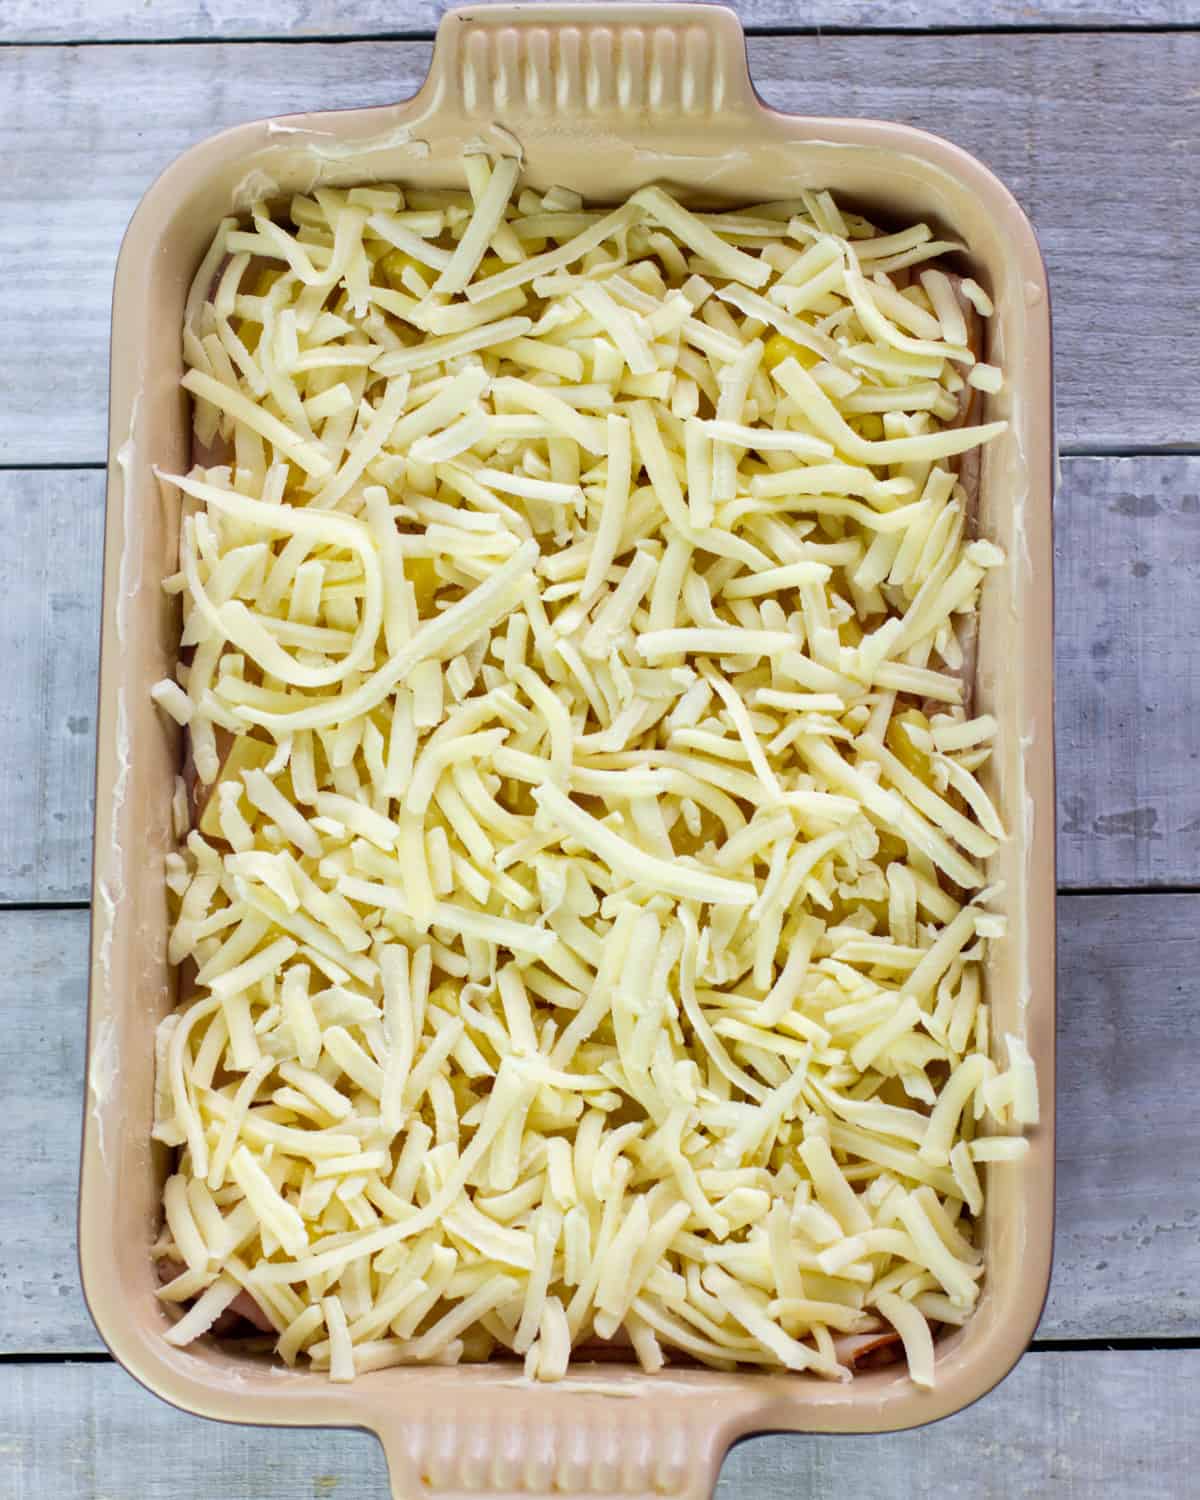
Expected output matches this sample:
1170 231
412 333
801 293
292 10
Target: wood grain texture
1044 110
49 621
230 20
1128 1242
1096 1426
43 1003
1128 605
1127 590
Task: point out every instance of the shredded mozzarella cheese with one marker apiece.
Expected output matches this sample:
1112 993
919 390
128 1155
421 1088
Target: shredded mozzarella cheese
588 921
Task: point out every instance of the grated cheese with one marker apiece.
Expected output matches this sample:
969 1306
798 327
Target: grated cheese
588 922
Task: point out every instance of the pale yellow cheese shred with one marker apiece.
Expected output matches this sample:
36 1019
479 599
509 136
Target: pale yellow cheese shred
584 886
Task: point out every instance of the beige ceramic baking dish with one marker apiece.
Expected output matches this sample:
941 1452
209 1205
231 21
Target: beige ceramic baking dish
604 99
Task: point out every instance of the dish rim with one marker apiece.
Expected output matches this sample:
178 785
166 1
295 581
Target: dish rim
192 1384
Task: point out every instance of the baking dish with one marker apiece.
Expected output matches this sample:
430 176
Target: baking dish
604 99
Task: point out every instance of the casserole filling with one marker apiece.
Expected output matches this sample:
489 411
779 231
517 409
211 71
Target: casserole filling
582 903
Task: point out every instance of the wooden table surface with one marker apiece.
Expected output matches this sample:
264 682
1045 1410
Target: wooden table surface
1091 112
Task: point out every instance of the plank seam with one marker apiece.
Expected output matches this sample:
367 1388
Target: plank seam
1175 450
1116 450
53 468
757 33
1038 1346
1128 890
84 1357
10 908
1114 1346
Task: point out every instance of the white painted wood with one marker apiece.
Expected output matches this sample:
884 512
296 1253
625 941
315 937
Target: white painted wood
52 522
1128 1246
1127 593
1128 599
43 1000
229 20
1088 1426
1097 135
85 131
1127 1231
1095 1426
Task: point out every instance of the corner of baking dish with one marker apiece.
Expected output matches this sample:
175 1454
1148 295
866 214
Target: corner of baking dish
652 91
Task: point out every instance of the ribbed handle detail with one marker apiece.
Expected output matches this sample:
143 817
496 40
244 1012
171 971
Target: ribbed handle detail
548 1443
598 61
528 67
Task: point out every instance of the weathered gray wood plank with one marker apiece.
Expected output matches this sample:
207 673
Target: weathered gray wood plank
50 576
1127 590
229 20
43 997
1127 1190
1047 111
1097 1426
49 619
1128 679
1128 1248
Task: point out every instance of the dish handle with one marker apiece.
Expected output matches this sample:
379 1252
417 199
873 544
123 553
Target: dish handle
568 1439
664 61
